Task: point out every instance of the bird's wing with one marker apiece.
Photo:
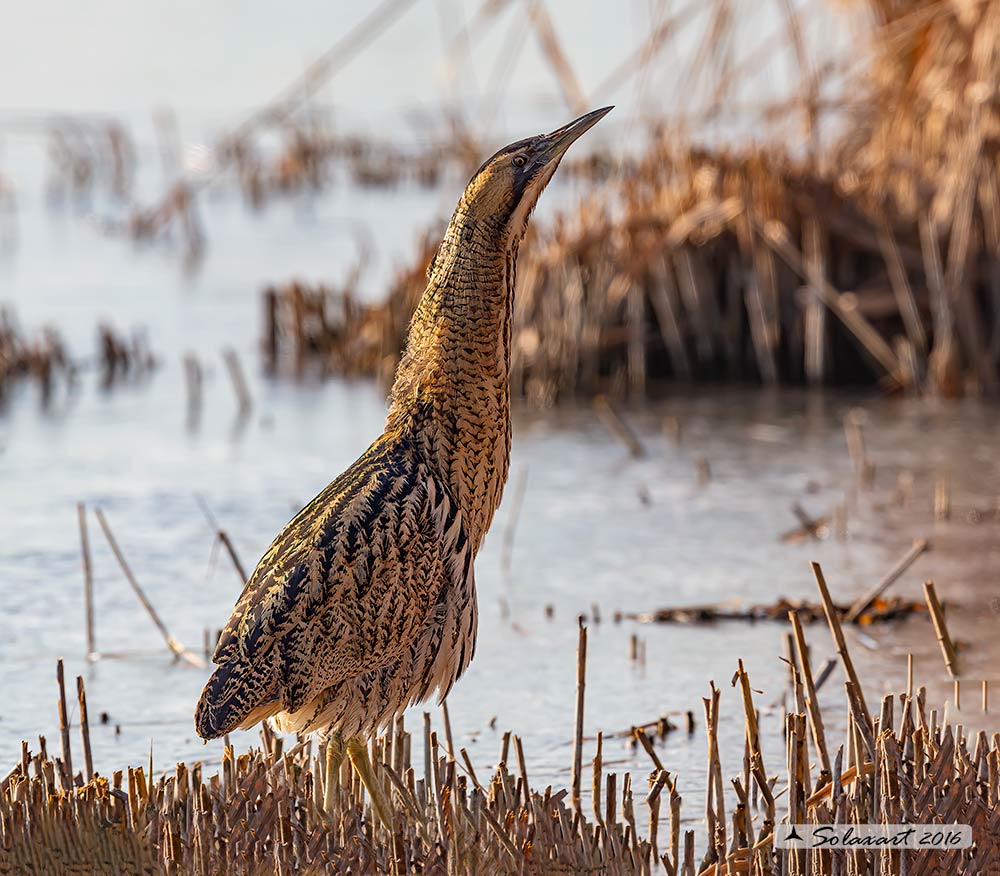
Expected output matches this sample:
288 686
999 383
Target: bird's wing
351 581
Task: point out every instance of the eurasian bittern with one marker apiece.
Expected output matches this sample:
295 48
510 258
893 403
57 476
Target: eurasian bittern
366 601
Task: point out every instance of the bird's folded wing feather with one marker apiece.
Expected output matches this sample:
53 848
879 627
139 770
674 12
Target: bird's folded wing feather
353 578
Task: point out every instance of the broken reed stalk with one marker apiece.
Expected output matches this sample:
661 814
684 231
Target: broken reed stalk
271 330
172 643
222 537
227 543
777 237
193 382
446 720
825 671
510 530
715 804
581 685
942 497
67 754
617 425
595 788
855 437
239 381
833 621
941 628
88 758
862 604
88 580
812 703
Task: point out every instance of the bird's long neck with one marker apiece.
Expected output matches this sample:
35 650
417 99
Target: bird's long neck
451 392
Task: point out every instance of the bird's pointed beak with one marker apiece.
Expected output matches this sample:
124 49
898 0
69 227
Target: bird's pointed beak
562 138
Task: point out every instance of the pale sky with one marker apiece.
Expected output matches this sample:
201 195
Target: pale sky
210 60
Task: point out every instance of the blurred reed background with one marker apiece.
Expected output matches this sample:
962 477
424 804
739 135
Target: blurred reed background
844 231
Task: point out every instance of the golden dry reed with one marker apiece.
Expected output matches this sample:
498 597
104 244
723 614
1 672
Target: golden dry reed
872 256
305 811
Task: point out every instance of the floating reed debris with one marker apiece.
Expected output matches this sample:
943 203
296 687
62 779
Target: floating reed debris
816 528
880 610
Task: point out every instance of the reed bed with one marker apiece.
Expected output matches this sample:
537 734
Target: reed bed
304 810
43 358
871 257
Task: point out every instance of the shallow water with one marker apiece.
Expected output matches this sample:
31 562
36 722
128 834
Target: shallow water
595 527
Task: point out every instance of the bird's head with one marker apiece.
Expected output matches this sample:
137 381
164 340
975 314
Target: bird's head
504 191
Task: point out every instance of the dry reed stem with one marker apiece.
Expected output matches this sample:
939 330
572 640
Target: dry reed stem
172 643
777 236
222 537
88 580
88 759
510 530
812 703
618 426
833 620
941 628
581 684
861 605
238 380
67 754
295 811
555 56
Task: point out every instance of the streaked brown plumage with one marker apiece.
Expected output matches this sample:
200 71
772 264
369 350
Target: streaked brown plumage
366 603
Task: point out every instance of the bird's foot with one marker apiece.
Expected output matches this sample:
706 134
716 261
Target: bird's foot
358 753
334 758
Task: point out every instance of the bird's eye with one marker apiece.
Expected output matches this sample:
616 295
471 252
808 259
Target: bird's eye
519 161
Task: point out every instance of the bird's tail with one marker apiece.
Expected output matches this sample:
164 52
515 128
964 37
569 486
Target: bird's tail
238 695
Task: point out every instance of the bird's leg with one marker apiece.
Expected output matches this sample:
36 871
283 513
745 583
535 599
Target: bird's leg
334 758
357 751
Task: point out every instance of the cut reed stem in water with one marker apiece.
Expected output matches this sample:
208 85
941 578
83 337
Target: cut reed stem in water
88 579
618 426
833 620
581 685
863 603
67 754
88 759
941 628
510 530
172 643
238 380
